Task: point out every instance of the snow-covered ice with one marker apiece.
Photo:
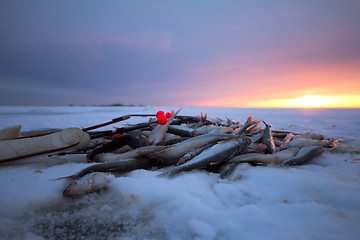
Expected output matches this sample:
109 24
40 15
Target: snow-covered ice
319 200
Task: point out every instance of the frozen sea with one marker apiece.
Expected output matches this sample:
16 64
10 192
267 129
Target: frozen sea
319 200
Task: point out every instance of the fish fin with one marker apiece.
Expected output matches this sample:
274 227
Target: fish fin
176 113
61 178
257 122
333 143
253 130
203 117
288 138
249 119
267 125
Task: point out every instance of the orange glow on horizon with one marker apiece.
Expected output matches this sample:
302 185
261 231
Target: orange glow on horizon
307 101
312 101
270 86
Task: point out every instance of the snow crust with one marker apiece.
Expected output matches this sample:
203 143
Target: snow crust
319 200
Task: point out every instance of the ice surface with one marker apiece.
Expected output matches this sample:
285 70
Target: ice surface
319 200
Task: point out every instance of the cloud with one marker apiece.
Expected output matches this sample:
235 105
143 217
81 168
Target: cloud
147 39
24 91
186 53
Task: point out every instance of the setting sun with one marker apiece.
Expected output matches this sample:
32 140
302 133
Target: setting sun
312 101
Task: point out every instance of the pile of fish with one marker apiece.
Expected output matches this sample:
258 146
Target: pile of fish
183 144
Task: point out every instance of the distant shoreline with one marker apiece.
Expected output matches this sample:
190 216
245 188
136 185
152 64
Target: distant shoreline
108 105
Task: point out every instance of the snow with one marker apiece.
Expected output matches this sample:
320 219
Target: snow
319 200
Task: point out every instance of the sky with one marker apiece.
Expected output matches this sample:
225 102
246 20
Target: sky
226 53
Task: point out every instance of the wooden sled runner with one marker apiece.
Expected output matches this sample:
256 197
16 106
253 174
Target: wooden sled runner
48 143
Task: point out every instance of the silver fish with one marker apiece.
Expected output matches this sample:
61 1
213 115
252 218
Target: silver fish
275 158
302 142
122 166
268 138
158 133
310 135
345 149
181 130
304 155
233 171
171 154
193 153
90 183
203 130
138 152
227 130
216 153
346 146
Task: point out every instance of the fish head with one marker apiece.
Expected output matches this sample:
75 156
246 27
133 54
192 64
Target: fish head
244 141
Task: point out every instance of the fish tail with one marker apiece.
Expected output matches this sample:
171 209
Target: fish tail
249 119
